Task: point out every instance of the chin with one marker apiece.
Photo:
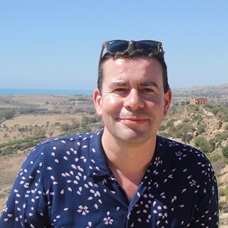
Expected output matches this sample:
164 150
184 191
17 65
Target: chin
133 135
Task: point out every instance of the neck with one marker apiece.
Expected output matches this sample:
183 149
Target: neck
128 162
128 157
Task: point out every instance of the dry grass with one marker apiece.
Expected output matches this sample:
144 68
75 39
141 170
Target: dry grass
39 120
46 121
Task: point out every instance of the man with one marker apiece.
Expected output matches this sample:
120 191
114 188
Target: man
124 175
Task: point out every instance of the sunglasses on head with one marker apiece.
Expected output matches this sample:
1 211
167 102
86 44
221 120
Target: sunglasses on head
121 46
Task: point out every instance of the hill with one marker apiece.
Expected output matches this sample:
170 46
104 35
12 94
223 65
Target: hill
210 92
28 119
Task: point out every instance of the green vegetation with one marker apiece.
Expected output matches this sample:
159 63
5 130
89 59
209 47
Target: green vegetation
225 152
201 128
87 124
7 114
203 144
226 192
215 157
221 112
190 124
186 138
185 122
40 133
20 144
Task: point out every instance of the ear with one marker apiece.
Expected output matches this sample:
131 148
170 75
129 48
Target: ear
97 100
167 101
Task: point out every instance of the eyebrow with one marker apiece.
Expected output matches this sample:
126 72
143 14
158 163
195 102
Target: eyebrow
150 83
120 83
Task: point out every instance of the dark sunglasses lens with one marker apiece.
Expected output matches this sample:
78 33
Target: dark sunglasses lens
147 46
117 46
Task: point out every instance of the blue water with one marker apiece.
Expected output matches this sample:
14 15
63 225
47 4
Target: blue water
44 91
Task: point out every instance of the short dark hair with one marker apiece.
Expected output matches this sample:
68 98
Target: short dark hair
133 54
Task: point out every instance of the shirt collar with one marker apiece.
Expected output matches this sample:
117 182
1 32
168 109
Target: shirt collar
159 166
98 164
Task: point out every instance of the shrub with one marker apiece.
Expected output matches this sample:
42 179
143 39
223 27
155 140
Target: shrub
215 158
8 151
225 152
197 118
186 138
170 123
221 137
39 131
162 128
8 114
226 128
74 124
203 145
85 121
186 120
201 128
65 127
57 124
193 108
226 192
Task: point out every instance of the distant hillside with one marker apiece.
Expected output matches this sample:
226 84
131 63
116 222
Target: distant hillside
205 91
204 127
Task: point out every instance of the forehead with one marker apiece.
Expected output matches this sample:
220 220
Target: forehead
133 66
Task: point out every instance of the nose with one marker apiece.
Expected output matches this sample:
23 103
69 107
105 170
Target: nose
133 101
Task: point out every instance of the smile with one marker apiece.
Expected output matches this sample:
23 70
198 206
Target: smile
131 120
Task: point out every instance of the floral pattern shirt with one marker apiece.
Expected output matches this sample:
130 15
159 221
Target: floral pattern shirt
66 182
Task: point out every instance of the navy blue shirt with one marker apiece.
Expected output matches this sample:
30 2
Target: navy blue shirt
66 182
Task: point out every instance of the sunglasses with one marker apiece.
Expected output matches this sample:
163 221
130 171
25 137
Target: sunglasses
121 46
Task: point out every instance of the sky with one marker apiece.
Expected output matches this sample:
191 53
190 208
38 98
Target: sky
55 44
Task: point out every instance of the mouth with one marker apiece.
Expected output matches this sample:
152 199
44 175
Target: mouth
133 120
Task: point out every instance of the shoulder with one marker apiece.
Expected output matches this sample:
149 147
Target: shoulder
178 149
186 162
71 144
182 155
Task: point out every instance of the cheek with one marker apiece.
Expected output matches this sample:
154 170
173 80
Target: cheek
111 104
112 100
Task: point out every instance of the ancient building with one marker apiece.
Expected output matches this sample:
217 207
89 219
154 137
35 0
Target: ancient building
198 101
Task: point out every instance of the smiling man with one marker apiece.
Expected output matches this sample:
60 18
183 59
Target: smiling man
132 104
132 101
124 175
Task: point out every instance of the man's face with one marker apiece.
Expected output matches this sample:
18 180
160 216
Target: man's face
132 103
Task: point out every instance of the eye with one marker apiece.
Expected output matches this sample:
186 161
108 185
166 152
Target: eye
120 90
148 90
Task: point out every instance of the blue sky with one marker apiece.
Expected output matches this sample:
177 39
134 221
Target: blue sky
55 44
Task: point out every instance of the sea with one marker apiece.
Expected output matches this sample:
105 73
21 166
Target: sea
14 91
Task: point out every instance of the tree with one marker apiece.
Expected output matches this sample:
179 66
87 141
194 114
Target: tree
74 124
8 114
39 131
84 121
65 127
